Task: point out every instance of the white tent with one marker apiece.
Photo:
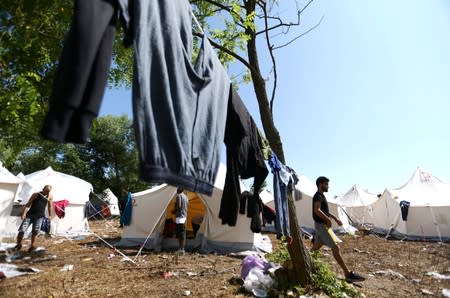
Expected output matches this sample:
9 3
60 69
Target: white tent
9 185
64 187
357 203
428 215
113 202
304 205
152 207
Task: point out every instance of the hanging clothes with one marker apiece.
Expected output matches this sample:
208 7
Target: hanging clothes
46 225
404 208
281 180
179 108
254 210
125 219
60 208
82 72
245 196
244 157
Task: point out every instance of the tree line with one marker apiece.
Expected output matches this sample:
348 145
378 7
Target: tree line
108 159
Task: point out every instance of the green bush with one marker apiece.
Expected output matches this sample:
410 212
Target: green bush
323 277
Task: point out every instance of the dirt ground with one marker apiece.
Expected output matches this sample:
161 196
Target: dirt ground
100 272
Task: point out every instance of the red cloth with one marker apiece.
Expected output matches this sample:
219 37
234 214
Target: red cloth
60 207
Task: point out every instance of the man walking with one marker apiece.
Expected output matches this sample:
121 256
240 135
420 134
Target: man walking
180 211
33 214
322 224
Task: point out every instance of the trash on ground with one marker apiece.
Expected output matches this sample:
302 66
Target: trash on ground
390 272
165 275
6 246
360 251
437 275
446 293
260 293
251 262
426 292
256 279
68 267
186 293
9 270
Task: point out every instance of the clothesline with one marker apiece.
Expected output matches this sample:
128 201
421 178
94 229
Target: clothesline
197 23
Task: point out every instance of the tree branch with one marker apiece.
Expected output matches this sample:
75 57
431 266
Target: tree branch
229 52
274 65
281 23
301 35
221 6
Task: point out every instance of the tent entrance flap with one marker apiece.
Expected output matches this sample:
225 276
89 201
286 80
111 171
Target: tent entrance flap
196 208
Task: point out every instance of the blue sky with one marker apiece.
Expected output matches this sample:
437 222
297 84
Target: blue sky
363 99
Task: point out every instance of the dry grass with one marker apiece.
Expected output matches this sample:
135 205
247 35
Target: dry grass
96 275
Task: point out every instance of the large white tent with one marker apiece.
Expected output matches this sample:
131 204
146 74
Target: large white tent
428 215
151 208
64 187
357 203
304 205
9 185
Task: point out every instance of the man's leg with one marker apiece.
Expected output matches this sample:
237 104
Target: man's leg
183 237
19 239
36 227
33 238
22 229
181 242
337 255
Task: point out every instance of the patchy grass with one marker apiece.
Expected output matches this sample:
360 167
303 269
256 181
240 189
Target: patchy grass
96 275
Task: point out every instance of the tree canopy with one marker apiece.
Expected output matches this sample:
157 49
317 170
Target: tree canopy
108 159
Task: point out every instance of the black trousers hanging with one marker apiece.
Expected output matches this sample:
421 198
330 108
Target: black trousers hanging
82 73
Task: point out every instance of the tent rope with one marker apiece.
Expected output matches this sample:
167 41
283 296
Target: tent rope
148 237
113 248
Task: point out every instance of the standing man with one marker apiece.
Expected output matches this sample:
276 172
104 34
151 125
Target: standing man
33 214
180 211
322 224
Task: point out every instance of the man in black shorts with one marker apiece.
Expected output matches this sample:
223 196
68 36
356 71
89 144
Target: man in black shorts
322 224
33 214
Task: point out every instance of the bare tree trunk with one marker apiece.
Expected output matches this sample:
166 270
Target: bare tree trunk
299 255
259 85
297 250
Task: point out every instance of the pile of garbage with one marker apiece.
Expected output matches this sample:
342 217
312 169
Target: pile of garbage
258 275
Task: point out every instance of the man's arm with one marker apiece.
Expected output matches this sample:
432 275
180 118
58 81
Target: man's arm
28 205
336 219
50 205
320 213
175 209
